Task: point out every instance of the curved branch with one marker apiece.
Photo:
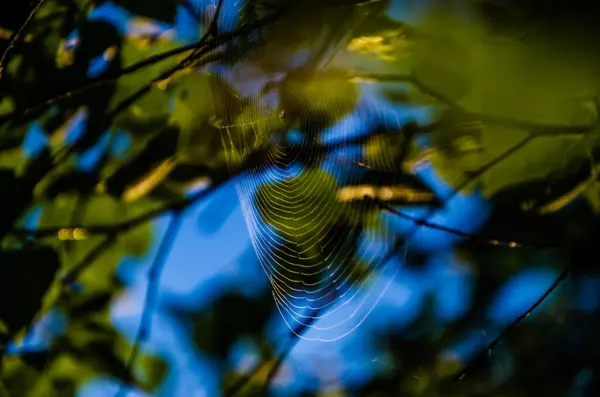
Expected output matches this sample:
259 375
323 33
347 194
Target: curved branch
152 291
205 45
488 349
459 233
401 244
15 36
298 331
125 225
535 128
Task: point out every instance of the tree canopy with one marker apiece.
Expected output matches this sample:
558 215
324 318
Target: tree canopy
355 133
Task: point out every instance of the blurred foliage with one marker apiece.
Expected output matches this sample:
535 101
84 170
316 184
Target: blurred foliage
513 93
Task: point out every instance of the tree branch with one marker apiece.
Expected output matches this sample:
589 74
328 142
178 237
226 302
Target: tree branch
488 349
154 273
212 30
70 277
296 333
539 129
461 185
400 244
128 224
181 204
205 45
16 35
459 233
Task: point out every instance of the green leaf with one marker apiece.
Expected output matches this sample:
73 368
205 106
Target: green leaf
548 195
148 115
458 155
18 377
97 210
158 149
61 378
448 54
318 100
150 112
134 51
92 344
459 59
193 111
193 101
155 369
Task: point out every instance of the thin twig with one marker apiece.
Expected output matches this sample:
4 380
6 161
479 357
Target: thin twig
470 178
539 129
106 229
459 233
71 276
204 45
212 30
101 229
130 223
15 36
400 244
490 164
152 288
98 82
298 331
68 278
213 27
488 349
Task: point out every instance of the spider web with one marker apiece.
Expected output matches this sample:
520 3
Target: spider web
325 280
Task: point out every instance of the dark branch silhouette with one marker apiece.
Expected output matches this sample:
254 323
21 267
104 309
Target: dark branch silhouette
205 45
459 233
17 34
298 331
488 349
535 128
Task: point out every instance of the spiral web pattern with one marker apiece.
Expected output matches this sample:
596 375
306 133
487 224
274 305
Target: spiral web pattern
320 246
321 251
